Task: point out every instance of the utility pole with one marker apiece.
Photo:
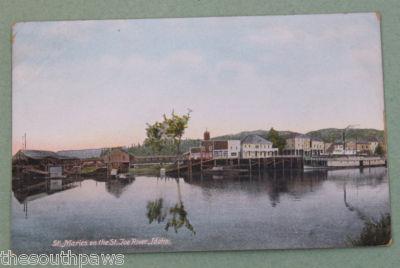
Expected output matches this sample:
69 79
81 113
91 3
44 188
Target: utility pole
24 141
344 137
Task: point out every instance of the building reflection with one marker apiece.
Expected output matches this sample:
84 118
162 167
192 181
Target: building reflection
27 189
117 187
274 183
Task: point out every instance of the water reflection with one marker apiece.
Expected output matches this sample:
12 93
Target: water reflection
175 216
270 209
275 183
117 187
27 189
30 188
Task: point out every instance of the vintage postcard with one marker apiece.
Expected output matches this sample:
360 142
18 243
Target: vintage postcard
199 134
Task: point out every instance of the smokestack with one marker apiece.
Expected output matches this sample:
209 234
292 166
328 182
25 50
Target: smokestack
206 135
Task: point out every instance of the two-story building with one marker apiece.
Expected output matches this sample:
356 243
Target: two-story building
255 146
234 148
298 144
218 149
317 147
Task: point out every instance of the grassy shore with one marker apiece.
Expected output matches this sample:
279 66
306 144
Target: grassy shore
375 232
149 170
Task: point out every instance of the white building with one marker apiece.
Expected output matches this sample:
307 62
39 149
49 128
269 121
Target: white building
337 148
373 144
226 149
233 148
255 146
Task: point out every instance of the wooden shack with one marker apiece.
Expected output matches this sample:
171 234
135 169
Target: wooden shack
40 162
116 158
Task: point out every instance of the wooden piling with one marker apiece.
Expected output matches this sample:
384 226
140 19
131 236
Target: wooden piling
250 165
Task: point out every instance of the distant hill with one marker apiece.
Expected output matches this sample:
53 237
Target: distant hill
333 134
243 134
327 134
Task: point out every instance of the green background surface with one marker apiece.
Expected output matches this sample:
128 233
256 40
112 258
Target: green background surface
42 10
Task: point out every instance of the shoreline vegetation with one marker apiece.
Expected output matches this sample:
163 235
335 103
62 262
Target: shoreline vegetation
374 233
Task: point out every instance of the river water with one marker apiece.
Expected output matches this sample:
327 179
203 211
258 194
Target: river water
268 210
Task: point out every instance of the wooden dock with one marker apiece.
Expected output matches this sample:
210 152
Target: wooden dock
272 162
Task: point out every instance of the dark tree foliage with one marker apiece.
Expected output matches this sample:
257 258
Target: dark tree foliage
375 233
277 140
379 150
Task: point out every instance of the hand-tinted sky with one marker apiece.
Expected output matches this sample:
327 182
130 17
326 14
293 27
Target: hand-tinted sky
89 84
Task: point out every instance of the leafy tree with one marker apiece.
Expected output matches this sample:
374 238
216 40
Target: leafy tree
175 128
379 150
171 129
277 140
155 136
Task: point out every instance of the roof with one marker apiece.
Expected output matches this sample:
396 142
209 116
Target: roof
298 135
330 148
374 139
81 154
38 154
317 139
255 139
107 150
303 136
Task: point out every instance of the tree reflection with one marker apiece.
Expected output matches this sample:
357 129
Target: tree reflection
155 211
176 216
179 218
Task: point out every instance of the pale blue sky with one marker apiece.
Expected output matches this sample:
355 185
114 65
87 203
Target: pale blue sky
84 84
